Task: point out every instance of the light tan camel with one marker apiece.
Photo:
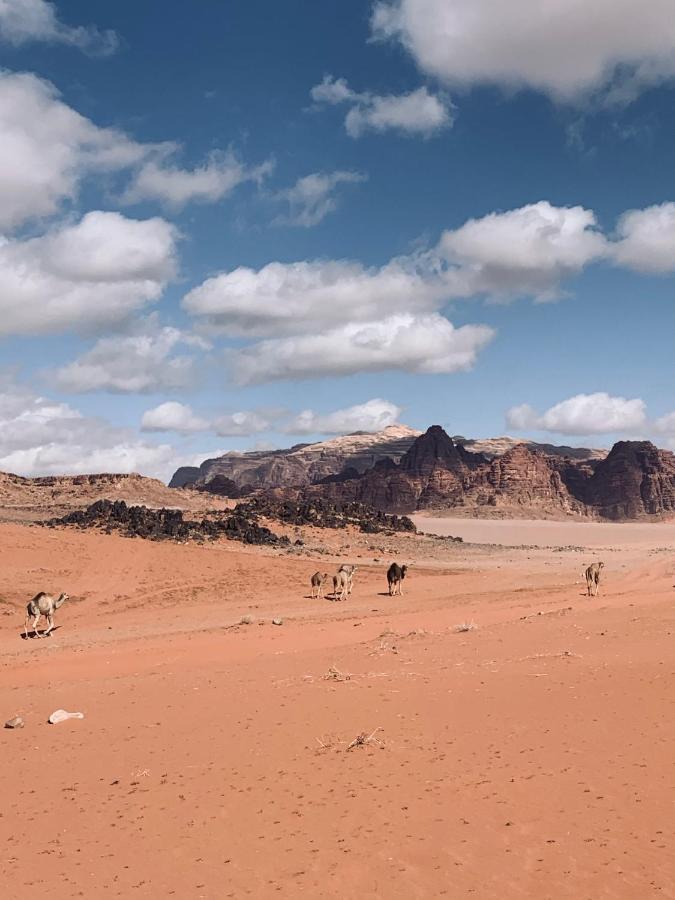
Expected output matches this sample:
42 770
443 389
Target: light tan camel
342 585
317 582
43 605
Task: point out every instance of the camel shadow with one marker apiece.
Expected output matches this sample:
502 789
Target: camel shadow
32 635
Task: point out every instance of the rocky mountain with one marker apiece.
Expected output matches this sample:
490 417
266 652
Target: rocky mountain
236 474
500 445
635 480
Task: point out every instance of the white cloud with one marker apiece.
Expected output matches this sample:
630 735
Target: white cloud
241 424
428 344
141 362
374 415
646 239
173 416
564 48
523 251
160 180
313 197
415 113
47 148
85 276
24 21
583 414
290 297
43 437
666 424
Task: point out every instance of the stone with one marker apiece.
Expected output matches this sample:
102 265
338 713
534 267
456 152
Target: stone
16 722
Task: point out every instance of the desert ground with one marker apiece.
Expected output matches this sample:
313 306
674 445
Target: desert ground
526 754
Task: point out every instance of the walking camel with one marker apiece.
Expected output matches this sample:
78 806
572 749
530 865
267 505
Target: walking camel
43 605
395 576
592 574
317 583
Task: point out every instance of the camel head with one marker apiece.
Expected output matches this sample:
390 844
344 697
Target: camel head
60 600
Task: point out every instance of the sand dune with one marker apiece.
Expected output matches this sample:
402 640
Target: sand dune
528 757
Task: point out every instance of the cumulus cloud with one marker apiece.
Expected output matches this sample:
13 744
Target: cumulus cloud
374 415
666 424
524 251
161 180
48 150
173 416
141 362
565 49
287 297
426 344
39 436
25 21
85 276
415 113
241 424
313 197
646 239
583 414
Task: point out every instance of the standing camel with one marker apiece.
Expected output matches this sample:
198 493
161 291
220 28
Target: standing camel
593 578
395 576
317 582
43 605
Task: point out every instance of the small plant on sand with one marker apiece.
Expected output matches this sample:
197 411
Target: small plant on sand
334 674
465 626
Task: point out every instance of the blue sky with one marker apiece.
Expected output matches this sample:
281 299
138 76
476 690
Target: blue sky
241 224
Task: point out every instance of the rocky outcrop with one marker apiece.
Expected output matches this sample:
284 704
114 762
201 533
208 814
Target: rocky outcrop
33 499
634 481
168 524
300 465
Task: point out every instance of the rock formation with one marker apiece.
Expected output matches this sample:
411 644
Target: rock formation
298 466
635 480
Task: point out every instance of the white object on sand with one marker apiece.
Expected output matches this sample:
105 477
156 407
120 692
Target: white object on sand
60 715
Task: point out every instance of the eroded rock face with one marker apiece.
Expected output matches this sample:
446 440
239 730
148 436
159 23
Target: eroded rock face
634 481
298 466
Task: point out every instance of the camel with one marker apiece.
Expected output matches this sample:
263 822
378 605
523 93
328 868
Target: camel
43 605
342 585
395 576
348 570
317 582
592 574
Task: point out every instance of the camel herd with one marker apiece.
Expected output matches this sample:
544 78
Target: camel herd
46 605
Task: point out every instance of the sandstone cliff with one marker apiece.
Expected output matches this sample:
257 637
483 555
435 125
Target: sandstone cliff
298 466
636 480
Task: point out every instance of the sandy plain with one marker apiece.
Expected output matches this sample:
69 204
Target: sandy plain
528 757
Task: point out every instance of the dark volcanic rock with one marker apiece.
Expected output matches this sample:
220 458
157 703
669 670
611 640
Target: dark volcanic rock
322 513
167 524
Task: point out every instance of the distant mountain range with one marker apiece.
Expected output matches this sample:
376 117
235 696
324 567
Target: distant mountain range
401 470
235 474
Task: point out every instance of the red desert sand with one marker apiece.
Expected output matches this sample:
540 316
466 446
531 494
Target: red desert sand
369 748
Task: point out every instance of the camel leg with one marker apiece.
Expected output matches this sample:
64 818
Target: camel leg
50 624
35 625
